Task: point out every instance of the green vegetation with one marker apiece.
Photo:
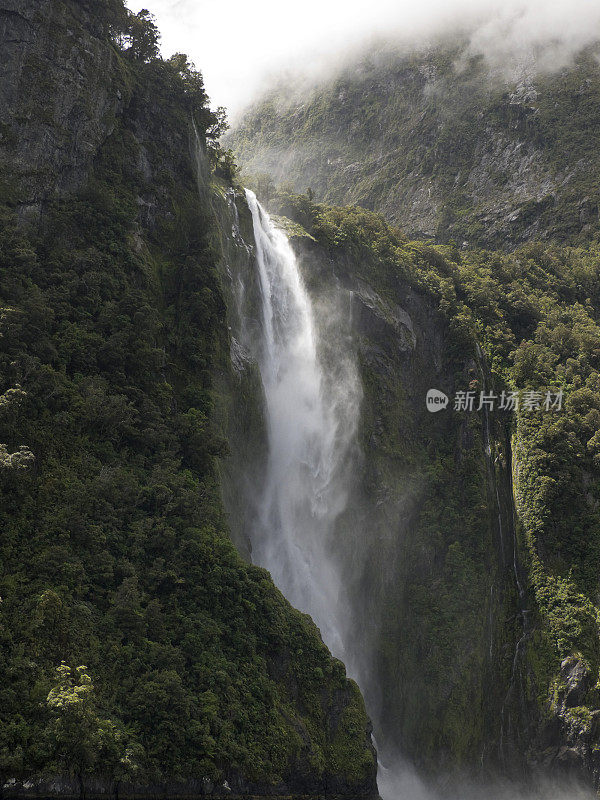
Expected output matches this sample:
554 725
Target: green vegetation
535 314
115 550
23 457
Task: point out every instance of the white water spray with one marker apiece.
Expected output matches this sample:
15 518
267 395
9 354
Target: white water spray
312 417
311 426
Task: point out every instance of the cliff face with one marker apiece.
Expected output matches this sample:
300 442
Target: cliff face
199 678
429 572
472 533
61 89
438 145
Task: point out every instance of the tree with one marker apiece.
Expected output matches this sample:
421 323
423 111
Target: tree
211 124
142 35
220 124
262 184
80 739
108 17
225 165
23 457
192 79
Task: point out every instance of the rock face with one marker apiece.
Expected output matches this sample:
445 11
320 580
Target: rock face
60 91
566 743
429 576
439 145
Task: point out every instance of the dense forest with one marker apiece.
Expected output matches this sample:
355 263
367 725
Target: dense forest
137 646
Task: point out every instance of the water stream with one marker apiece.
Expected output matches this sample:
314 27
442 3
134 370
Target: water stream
313 405
311 426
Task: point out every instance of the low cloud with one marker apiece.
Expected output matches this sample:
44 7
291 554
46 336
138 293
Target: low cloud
243 46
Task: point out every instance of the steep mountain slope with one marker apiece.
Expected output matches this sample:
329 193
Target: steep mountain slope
137 648
439 146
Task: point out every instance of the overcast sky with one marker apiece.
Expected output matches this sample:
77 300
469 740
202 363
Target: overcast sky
238 44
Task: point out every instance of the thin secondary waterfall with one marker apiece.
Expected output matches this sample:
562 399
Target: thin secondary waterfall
311 423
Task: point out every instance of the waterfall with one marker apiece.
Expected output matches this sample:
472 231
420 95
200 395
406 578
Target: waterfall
311 422
312 393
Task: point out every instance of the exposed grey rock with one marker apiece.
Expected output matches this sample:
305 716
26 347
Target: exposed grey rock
566 739
60 91
372 316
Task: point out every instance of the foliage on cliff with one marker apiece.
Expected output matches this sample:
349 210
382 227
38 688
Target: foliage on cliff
135 643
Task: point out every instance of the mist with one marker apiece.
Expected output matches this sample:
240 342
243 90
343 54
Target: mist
243 49
402 783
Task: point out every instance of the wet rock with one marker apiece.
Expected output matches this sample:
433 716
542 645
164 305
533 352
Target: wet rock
60 93
577 682
385 322
566 741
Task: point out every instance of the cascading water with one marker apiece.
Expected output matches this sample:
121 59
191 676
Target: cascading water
312 396
311 426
